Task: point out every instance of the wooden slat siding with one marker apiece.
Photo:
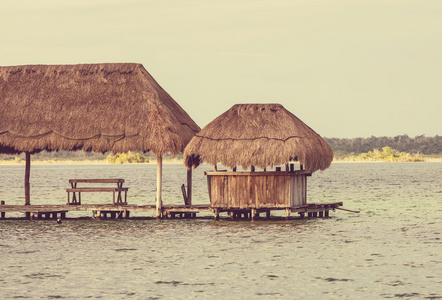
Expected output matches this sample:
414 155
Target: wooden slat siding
285 186
233 192
292 192
304 200
224 189
296 199
250 192
243 190
215 190
283 196
240 186
261 193
298 190
209 187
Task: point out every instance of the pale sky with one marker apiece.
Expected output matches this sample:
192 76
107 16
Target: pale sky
347 68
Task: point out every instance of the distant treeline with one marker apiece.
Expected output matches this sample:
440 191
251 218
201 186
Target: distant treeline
342 147
421 144
63 155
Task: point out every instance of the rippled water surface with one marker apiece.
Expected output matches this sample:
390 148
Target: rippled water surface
392 249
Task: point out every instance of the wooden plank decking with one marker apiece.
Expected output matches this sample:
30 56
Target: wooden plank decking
312 209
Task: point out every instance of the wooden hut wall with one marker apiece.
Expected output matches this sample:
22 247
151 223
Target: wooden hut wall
298 190
257 189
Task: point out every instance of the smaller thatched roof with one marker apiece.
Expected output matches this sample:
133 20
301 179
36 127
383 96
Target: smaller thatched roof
95 107
258 135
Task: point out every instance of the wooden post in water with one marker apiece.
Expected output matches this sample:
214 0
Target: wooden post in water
3 213
27 175
189 187
159 186
253 214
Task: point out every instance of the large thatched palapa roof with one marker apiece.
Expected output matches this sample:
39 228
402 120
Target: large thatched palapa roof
94 107
259 135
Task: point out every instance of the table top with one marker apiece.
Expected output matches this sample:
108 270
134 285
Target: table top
111 180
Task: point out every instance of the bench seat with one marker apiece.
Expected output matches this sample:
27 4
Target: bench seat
96 189
80 190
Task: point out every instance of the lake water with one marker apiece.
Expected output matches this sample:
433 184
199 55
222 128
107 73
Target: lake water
392 249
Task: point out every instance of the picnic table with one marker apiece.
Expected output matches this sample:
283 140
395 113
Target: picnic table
115 190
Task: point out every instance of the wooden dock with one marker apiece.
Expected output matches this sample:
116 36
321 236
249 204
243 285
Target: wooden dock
110 211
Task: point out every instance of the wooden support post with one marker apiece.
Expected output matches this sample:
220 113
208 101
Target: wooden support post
98 215
292 167
253 214
301 215
63 215
268 214
321 214
287 213
159 203
189 187
27 175
326 213
216 213
252 169
3 213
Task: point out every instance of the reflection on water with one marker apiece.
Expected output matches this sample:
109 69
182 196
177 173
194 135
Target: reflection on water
390 250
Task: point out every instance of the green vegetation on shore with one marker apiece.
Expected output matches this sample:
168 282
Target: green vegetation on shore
122 158
419 148
430 147
387 154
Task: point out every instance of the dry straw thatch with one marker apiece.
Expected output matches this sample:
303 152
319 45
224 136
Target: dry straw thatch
94 107
259 135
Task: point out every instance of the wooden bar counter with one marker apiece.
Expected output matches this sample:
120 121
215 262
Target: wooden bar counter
243 190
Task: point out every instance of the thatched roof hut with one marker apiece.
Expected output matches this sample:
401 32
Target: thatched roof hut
94 107
258 135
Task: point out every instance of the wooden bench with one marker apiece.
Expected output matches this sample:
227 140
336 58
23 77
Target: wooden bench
74 189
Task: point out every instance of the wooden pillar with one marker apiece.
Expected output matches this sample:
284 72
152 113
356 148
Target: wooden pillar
3 213
253 214
189 187
27 175
159 186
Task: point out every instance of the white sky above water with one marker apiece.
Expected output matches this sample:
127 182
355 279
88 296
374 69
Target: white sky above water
346 68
